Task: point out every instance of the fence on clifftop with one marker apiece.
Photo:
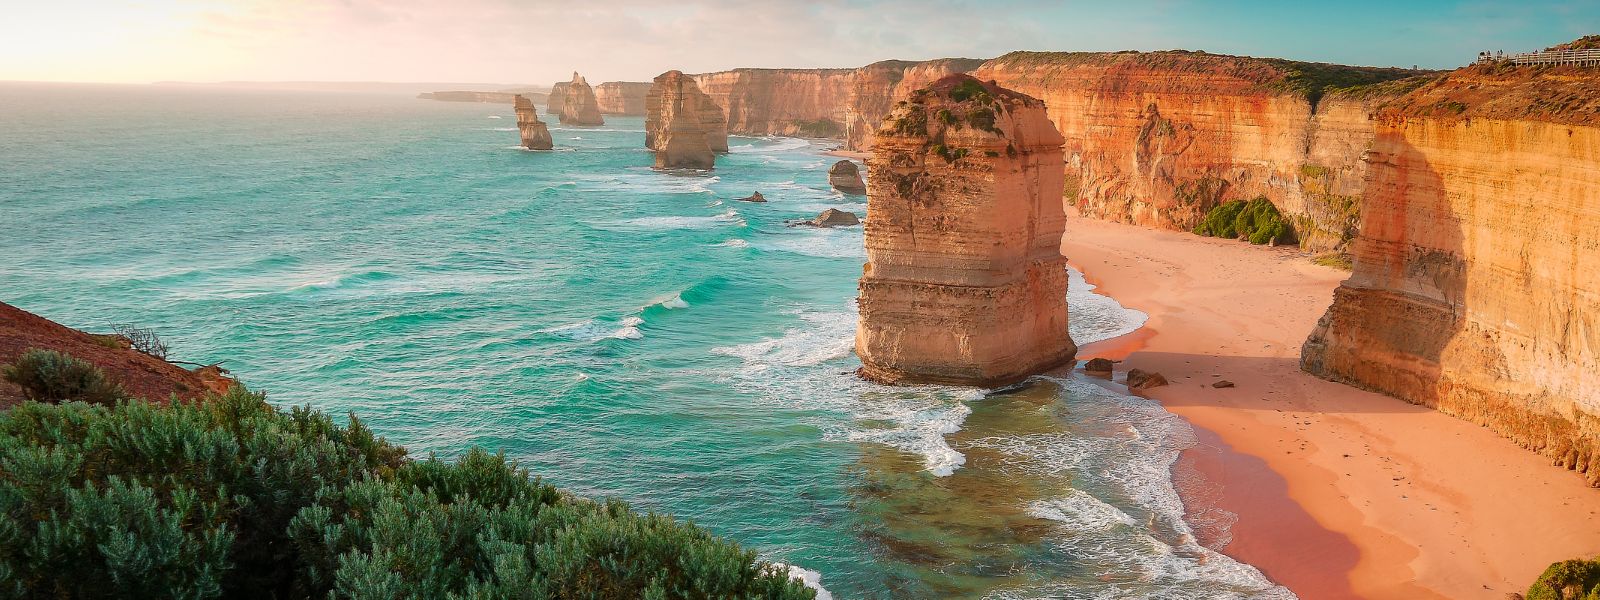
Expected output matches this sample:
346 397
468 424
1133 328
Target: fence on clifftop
1581 58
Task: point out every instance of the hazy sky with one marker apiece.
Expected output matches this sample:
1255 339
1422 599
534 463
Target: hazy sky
539 41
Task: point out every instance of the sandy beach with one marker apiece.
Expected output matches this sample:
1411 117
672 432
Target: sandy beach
1339 493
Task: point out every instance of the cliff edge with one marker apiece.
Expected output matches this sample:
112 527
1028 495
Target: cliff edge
1476 282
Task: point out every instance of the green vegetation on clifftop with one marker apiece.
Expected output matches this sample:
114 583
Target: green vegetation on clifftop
229 497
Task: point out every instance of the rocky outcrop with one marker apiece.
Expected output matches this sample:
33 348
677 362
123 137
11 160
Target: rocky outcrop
682 125
1476 282
832 217
578 105
1138 379
1160 138
845 177
964 283
535 134
876 87
621 97
755 197
141 375
557 99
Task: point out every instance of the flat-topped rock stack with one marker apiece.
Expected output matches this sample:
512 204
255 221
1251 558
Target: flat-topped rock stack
535 134
684 127
964 282
578 104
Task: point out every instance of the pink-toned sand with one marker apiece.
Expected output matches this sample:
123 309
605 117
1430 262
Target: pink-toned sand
1340 493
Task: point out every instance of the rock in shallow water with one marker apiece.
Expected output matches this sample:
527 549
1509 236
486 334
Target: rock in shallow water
756 197
832 217
1143 380
1098 366
845 177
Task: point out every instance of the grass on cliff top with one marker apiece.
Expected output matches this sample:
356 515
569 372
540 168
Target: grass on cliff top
1314 80
1569 579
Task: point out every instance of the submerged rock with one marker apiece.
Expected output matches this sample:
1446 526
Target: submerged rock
756 197
965 283
845 177
832 217
535 134
1143 380
682 125
578 106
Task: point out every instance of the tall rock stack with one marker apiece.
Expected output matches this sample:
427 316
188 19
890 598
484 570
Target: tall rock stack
1476 283
535 135
684 127
579 106
964 283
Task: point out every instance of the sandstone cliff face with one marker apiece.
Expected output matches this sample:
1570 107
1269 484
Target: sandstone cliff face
535 134
621 97
879 85
1476 283
557 99
1160 138
578 104
794 102
965 283
682 125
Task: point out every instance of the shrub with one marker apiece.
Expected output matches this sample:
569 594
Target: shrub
142 339
1568 579
230 497
50 376
1256 220
970 89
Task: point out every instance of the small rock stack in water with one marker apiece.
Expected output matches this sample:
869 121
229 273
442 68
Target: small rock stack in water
965 283
535 135
683 126
578 105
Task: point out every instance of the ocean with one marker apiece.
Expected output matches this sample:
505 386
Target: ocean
622 332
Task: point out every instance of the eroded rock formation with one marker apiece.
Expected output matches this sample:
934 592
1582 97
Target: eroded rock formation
535 134
964 283
684 127
845 177
1476 283
557 99
621 97
1160 138
578 105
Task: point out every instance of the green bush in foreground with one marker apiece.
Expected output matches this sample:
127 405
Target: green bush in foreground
50 376
1257 221
231 497
1568 580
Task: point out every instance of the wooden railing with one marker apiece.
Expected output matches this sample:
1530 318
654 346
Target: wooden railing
1582 58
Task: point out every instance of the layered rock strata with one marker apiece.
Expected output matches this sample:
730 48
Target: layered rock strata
964 282
621 97
557 99
845 177
684 127
578 104
535 134
1476 283
1160 138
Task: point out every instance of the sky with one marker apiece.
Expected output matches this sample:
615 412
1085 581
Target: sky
540 41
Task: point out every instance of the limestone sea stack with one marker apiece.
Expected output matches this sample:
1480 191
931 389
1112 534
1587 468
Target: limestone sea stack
682 125
578 105
964 282
535 135
845 177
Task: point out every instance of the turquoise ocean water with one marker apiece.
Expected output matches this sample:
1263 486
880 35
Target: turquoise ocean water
622 332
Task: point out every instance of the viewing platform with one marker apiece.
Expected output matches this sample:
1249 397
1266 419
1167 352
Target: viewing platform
1581 58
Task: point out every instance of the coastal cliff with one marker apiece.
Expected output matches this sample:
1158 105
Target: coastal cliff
578 104
484 97
964 282
1160 138
876 87
1476 279
682 125
621 97
535 134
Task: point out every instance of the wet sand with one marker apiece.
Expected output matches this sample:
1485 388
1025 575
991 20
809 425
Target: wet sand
1339 493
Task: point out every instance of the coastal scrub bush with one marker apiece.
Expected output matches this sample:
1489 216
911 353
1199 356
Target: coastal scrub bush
230 497
50 376
1567 580
970 90
1257 221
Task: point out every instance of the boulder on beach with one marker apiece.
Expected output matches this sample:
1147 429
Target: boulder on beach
1222 384
1098 366
756 197
832 217
845 177
1144 380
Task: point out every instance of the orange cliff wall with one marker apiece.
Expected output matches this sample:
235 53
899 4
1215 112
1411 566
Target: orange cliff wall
1476 284
1160 138
621 97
